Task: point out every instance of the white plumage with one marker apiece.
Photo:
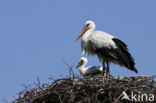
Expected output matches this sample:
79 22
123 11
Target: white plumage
95 39
107 47
88 71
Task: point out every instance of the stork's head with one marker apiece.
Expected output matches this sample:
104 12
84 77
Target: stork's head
89 25
82 62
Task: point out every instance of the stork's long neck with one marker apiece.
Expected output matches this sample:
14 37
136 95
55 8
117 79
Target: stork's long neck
83 68
85 39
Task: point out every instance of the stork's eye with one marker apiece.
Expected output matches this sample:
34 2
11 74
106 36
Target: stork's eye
81 61
87 24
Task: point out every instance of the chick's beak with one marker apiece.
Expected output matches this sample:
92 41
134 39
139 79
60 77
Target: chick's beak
79 64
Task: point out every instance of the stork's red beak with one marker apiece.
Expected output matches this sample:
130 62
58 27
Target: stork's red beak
83 31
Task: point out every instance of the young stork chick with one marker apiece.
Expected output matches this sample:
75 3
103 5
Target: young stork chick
88 71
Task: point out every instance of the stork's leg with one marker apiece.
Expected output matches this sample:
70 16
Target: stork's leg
103 73
104 68
107 71
107 67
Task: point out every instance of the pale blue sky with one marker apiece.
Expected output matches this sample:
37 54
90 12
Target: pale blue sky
36 35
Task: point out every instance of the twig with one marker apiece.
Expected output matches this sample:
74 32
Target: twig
40 87
71 73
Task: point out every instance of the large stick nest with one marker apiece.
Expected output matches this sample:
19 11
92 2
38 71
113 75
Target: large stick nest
75 89
88 90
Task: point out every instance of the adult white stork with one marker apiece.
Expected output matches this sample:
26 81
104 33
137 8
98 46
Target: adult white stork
88 71
107 47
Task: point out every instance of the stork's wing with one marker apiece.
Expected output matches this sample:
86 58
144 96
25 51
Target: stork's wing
111 48
102 43
119 54
99 39
126 57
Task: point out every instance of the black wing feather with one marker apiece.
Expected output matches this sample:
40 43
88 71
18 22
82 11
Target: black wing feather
119 54
126 57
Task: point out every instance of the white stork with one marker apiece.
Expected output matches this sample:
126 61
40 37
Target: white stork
88 71
107 47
